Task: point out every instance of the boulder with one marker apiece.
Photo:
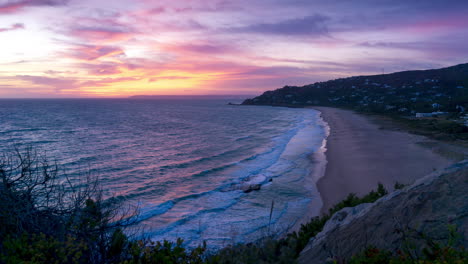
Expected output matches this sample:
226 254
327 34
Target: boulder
251 187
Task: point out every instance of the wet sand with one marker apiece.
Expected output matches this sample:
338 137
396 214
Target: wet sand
360 155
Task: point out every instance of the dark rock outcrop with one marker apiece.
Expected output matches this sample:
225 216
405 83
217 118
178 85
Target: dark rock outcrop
251 187
428 207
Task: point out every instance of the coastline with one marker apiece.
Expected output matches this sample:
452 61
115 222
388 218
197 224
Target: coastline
318 161
360 155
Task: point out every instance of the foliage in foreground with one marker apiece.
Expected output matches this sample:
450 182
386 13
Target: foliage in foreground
47 219
443 255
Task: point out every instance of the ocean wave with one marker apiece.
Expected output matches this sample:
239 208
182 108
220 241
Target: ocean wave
184 171
22 130
191 162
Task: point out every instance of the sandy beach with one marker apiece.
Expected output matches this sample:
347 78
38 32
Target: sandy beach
360 155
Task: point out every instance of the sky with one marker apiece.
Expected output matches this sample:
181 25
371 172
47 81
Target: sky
120 48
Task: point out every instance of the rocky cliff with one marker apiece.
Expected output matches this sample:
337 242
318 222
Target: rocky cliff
411 216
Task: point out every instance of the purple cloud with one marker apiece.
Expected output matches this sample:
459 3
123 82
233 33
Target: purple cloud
101 33
101 68
435 49
94 52
13 27
57 83
315 25
14 6
203 48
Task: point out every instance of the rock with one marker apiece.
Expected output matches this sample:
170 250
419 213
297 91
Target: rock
251 187
428 207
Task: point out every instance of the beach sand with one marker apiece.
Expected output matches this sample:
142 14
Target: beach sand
360 155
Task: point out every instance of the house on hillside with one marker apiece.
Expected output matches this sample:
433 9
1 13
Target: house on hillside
433 114
436 106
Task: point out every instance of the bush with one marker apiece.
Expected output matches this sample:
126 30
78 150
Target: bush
45 217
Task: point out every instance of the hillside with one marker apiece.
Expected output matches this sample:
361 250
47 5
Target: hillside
412 96
402 92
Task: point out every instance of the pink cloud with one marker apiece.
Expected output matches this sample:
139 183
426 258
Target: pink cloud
59 83
94 52
202 48
101 34
440 24
101 68
16 6
107 81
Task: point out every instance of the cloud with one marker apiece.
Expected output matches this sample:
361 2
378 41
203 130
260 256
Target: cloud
101 34
201 48
168 78
13 27
156 10
99 27
94 52
107 81
438 49
54 72
311 25
101 68
59 84
45 80
10 7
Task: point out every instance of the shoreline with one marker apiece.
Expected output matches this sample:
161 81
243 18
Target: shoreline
359 155
317 163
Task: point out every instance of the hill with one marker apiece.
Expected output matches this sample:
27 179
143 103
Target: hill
411 94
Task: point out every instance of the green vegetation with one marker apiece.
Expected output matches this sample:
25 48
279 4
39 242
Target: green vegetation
441 255
433 252
437 128
399 186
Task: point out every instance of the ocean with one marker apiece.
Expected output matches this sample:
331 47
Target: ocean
185 163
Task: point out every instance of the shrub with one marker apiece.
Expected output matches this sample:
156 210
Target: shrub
44 216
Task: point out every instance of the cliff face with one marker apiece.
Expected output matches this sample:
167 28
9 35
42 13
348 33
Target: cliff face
427 207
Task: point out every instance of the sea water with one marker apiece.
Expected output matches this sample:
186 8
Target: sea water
185 163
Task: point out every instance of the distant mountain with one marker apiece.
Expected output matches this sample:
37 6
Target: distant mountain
401 93
227 97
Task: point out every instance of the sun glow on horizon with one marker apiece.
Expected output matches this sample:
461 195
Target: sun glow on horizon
88 49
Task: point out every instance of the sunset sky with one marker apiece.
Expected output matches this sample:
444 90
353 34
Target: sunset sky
119 48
